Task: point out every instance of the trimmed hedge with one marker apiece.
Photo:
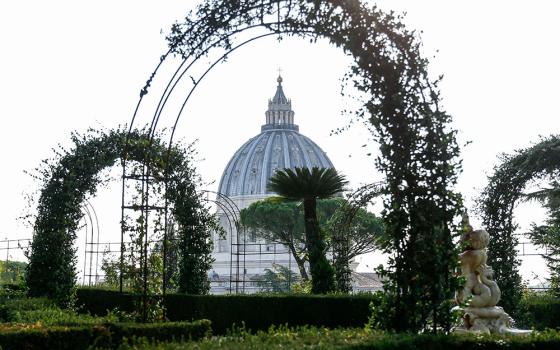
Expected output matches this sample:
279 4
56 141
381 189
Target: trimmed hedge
354 339
100 301
98 336
540 311
258 312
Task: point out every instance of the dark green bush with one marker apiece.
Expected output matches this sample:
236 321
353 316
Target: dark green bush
11 288
11 307
258 312
55 337
539 311
100 301
55 316
178 331
358 339
34 310
102 336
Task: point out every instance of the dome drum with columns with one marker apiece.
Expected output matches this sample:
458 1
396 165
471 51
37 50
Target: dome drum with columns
244 181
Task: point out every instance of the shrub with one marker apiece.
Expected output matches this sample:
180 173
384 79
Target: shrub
9 308
358 339
98 336
257 312
178 331
102 301
57 316
539 311
260 312
55 337
45 312
8 289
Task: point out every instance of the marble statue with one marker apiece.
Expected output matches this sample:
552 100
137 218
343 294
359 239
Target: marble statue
481 294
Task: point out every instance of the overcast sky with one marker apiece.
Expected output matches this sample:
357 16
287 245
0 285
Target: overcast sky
69 65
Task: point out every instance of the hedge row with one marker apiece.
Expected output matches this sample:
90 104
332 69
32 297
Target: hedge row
540 312
257 312
354 339
99 301
260 312
99 336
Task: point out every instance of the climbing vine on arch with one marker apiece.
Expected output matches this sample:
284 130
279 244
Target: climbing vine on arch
419 153
498 200
75 174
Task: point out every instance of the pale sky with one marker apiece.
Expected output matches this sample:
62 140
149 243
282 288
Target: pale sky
69 65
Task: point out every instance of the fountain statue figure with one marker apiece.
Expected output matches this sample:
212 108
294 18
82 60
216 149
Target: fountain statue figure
480 294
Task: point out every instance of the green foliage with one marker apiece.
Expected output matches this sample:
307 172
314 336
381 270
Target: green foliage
38 323
195 225
301 287
109 335
281 221
102 301
352 231
256 311
309 185
548 235
12 291
539 311
10 307
111 269
304 183
401 107
73 175
67 180
279 279
504 190
150 308
259 312
55 316
43 311
167 331
12 271
326 339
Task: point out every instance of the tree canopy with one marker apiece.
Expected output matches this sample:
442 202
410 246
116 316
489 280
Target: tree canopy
277 220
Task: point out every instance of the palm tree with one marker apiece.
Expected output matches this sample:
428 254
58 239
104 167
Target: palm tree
310 185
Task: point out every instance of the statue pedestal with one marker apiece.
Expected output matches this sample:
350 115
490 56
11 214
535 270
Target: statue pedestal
487 320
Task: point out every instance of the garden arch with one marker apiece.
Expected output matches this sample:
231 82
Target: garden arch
498 200
418 148
75 175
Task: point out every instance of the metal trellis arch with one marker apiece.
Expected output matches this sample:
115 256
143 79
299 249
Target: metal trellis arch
380 45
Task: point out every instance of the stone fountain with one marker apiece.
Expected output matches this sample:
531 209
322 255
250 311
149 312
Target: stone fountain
480 294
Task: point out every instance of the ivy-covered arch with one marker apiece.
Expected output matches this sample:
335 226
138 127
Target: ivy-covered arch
75 174
497 202
401 107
